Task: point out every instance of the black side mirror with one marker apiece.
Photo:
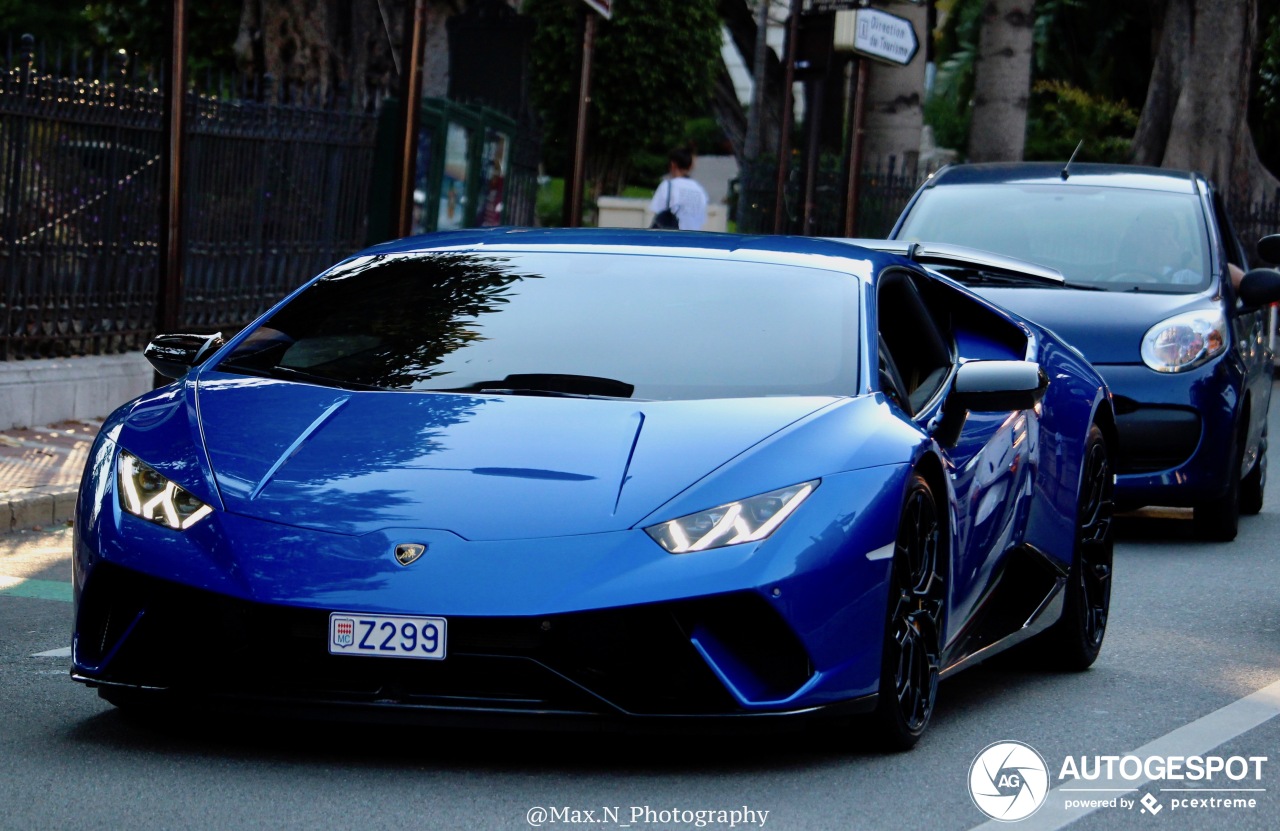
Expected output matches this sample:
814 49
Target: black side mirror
998 386
1269 248
174 355
1260 286
990 387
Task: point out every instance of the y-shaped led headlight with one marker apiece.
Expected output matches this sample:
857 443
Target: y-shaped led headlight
147 494
746 520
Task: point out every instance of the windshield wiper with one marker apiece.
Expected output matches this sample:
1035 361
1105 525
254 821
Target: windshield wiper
983 277
550 393
285 373
552 384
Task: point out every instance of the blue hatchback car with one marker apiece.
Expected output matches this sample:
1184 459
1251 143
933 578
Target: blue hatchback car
1147 255
599 476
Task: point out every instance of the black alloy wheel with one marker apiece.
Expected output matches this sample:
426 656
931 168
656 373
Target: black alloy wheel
913 628
1075 640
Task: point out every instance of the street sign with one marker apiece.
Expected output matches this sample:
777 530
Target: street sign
877 34
841 5
605 7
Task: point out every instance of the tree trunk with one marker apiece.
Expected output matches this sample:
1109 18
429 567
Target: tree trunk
728 112
1002 81
328 46
1194 117
895 107
740 21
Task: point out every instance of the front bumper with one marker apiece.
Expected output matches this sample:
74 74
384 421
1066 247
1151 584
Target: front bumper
136 633
598 625
1175 432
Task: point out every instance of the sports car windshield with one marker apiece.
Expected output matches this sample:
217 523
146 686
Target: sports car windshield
565 324
1117 239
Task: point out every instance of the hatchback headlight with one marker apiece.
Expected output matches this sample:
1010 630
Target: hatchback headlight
746 520
1185 341
147 494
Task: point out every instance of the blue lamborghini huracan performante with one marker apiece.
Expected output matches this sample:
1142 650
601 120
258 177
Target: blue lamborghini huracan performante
604 477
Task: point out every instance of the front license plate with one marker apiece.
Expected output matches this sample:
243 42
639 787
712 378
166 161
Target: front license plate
387 636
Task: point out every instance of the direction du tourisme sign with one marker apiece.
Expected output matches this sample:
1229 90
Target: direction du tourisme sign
885 36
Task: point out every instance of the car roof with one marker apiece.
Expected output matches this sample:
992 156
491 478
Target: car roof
1081 174
794 250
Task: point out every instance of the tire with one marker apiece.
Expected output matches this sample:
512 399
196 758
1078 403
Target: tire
1218 520
1074 641
1253 487
913 624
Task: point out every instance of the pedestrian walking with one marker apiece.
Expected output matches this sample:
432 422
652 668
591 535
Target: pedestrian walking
679 202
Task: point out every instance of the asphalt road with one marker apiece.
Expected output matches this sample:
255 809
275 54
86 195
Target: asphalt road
1195 632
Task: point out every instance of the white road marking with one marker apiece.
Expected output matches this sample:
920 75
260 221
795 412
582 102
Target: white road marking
60 652
1194 739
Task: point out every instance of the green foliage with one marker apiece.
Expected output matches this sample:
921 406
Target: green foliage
1062 115
550 203
947 109
44 20
1264 110
653 69
1080 45
137 26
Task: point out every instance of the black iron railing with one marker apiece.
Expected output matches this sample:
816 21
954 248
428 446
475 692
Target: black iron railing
275 193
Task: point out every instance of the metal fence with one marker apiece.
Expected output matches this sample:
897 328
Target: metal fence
1256 221
884 189
273 193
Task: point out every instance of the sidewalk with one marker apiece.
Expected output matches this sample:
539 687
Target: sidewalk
40 472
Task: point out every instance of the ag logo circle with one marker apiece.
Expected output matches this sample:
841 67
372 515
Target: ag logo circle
1008 781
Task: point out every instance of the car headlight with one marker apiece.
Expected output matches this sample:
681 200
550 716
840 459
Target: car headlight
147 494
1185 341
746 520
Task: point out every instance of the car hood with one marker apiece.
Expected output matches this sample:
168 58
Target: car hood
481 467
1106 326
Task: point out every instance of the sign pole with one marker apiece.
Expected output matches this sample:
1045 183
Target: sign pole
171 288
573 183
788 114
856 139
410 105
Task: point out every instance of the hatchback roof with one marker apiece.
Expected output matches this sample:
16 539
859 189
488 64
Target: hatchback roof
1081 173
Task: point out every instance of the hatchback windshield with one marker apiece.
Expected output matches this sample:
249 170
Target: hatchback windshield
1111 238
590 324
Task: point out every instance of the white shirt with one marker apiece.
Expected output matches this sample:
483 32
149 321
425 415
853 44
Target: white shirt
688 202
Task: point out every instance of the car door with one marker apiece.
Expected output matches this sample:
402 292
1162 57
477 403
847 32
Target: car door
1249 332
987 460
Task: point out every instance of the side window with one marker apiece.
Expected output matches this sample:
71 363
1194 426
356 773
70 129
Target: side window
915 357
1231 245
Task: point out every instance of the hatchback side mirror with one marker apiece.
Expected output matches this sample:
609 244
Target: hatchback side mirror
1260 286
174 355
1269 248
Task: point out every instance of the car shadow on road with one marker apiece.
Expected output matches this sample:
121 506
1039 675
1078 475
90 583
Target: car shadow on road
374 747
1155 525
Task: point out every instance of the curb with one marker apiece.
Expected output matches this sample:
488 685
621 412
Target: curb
35 509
